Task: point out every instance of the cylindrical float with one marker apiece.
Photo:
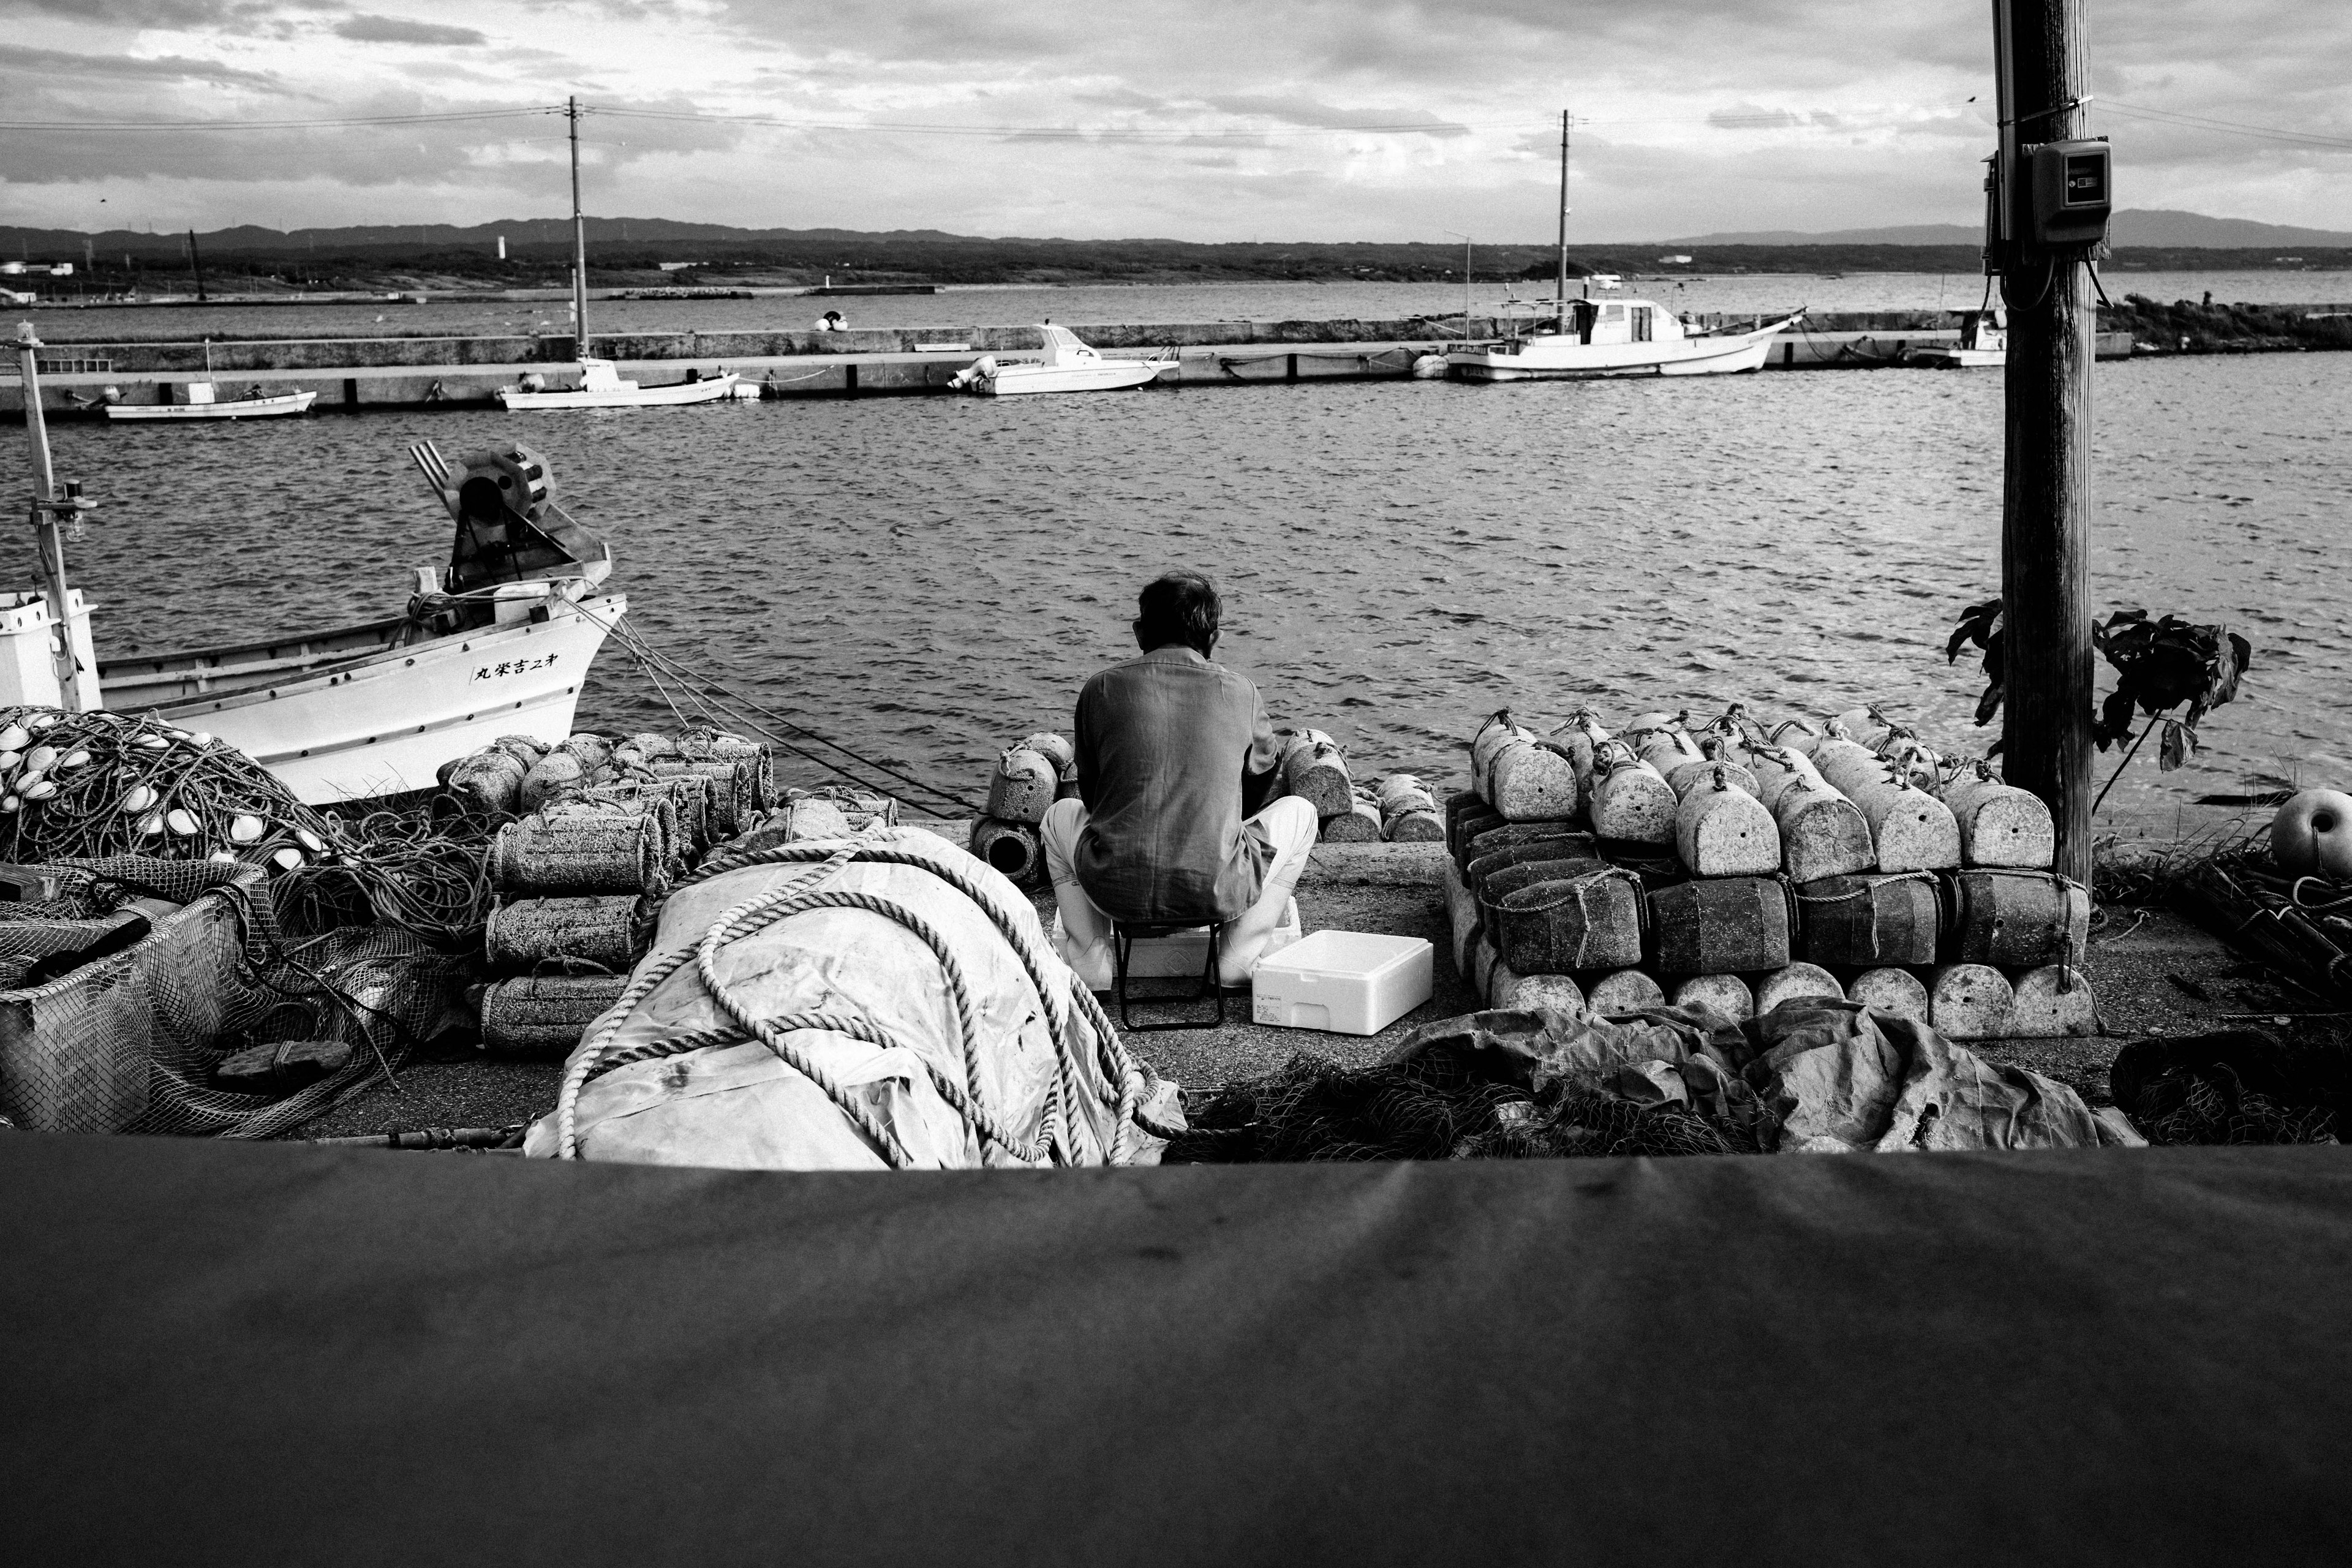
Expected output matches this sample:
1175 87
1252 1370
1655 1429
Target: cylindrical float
545 1015
2050 1002
1630 802
2017 918
1722 831
1359 824
1013 847
1999 824
1720 925
1724 994
1970 1002
1587 921
1895 990
1793 981
1623 991
1865 922
573 853
1315 770
608 931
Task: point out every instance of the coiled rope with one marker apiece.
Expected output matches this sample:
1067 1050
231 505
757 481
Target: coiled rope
1124 1080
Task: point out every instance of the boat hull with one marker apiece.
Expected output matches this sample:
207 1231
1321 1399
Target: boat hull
236 408
1579 361
1958 359
1111 376
676 396
385 721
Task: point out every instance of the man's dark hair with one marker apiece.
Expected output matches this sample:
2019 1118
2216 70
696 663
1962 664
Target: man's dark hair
1179 607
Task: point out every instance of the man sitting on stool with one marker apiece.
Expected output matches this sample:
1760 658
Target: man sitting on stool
1176 760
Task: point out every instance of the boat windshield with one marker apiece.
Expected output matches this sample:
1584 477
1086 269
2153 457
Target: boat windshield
1063 347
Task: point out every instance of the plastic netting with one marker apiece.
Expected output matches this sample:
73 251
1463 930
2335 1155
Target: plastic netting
1435 1107
129 1041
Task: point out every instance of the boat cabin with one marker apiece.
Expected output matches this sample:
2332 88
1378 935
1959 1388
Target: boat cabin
1601 321
1063 347
1986 330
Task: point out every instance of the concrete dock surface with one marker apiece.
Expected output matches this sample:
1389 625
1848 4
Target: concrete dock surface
2154 973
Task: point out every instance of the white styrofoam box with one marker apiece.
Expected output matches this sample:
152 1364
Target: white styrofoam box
1346 981
1183 954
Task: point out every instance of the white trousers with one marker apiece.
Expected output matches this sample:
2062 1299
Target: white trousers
1290 825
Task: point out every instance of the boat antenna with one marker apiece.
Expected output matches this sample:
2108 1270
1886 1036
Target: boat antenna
579 238
48 506
1563 214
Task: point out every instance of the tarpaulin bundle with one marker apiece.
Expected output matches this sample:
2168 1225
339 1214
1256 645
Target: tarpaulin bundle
879 1001
1812 1076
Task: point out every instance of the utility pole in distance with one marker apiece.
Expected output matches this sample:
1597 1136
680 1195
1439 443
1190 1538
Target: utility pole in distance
2043 250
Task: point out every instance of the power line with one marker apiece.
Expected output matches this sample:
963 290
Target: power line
1066 132
2233 127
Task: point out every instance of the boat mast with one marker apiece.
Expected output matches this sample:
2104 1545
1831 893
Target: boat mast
1563 214
49 544
579 238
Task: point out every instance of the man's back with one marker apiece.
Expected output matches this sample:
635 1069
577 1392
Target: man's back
1165 745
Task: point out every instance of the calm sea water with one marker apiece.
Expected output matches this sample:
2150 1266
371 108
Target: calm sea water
971 307
929 578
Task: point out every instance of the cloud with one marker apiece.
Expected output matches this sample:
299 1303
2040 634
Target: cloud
367 29
1204 118
57 65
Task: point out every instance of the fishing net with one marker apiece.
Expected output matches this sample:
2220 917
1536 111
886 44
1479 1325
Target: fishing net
77 786
130 1040
1439 1106
2210 1104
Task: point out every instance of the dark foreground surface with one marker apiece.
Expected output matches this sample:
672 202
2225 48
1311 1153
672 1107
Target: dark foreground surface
274 1354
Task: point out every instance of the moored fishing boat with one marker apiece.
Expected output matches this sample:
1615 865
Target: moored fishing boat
1066 366
496 643
1631 337
499 643
1983 346
602 386
204 402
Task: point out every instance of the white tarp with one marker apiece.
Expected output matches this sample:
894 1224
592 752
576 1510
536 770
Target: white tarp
743 1106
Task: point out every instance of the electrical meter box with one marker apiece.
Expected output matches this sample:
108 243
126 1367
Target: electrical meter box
2069 191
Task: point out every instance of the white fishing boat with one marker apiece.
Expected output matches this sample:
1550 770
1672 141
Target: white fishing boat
1983 344
204 402
602 386
1628 337
1066 366
1583 337
497 642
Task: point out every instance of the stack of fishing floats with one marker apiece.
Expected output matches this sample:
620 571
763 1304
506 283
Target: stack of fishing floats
1675 862
1028 777
1396 809
605 828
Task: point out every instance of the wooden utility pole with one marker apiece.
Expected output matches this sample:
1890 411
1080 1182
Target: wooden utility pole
2046 506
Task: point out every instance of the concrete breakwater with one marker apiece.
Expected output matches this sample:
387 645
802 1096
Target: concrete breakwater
459 371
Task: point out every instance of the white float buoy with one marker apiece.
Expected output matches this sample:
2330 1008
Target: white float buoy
180 821
138 797
245 830
287 860
39 789
40 758
151 824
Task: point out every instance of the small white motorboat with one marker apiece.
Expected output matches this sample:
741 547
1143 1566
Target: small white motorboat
204 402
1630 337
1983 344
1066 365
602 386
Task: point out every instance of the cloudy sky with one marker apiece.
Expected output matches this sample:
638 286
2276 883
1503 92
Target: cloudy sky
1190 118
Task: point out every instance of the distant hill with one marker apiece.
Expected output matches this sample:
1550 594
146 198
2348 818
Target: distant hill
2132 226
